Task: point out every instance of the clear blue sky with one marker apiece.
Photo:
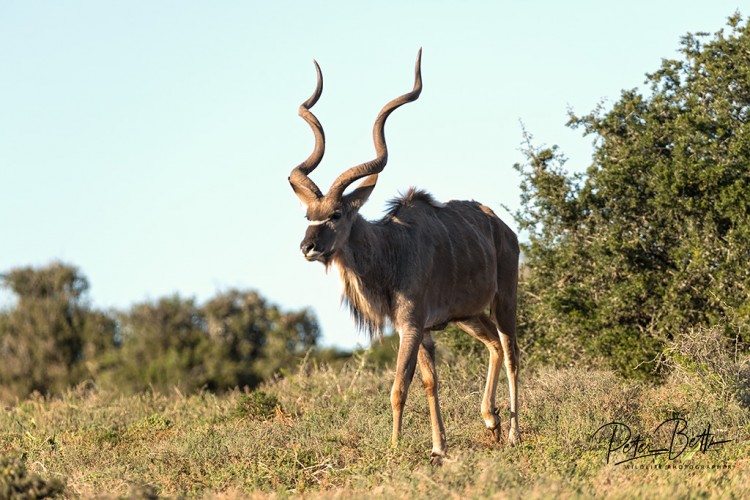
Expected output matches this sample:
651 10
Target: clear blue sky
149 143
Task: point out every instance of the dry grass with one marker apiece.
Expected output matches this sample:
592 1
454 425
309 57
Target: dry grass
325 433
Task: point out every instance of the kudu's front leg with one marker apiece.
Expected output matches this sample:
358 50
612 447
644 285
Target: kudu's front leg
410 340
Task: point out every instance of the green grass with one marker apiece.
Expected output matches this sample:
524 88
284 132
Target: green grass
325 431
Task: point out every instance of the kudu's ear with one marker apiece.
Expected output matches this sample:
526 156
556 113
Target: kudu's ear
305 195
361 193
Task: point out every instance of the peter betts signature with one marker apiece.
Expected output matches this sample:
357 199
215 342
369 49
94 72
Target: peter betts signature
670 439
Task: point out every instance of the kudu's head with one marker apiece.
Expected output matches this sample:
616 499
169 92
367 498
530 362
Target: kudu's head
331 215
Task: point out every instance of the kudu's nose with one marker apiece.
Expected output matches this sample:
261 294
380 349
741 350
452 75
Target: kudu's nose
307 247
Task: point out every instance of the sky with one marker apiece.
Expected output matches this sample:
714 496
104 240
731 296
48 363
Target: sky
149 143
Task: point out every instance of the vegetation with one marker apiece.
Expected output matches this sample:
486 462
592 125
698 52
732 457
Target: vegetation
325 432
17 483
634 308
52 339
654 237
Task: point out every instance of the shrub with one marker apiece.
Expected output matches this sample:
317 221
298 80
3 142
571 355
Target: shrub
653 239
17 483
256 405
706 356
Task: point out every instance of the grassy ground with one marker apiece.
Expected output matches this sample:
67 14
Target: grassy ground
325 432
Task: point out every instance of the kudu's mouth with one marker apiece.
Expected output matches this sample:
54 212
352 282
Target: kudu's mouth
316 255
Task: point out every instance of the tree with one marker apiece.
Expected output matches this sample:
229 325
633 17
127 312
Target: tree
259 338
236 339
655 237
51 339
162 345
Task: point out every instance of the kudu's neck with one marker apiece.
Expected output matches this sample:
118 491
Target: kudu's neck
364 253
366 271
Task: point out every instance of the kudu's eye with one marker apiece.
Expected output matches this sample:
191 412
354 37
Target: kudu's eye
336 216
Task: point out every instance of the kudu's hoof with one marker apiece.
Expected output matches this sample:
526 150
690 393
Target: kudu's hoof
436 459
497 433
514 438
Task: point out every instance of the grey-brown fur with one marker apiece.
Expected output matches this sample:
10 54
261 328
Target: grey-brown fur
381 261
424 265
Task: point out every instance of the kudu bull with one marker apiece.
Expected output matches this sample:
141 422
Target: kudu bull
424 265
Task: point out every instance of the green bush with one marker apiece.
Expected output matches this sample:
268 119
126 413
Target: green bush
236 339
707 356
52 339
256 405
17 484
653 239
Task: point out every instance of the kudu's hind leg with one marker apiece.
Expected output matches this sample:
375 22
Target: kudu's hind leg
426 360
505 319
483 329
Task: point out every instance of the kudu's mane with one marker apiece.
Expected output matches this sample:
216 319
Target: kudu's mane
369 312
